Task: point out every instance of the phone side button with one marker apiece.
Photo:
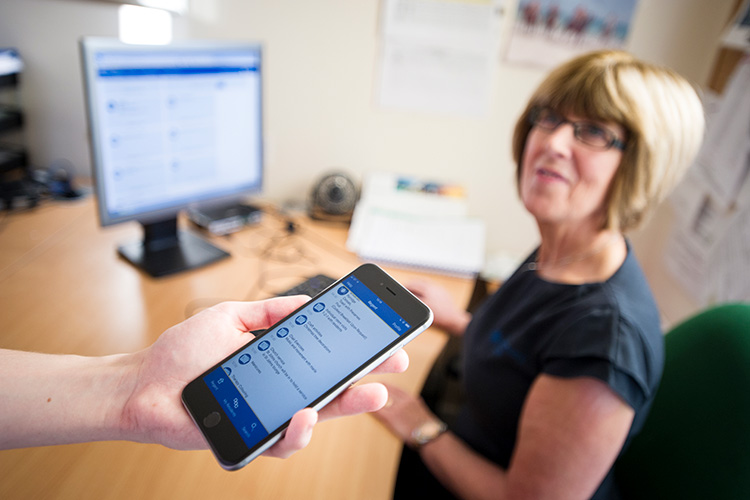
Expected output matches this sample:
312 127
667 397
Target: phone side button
212 420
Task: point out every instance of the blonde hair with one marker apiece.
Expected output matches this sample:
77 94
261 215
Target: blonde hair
659 109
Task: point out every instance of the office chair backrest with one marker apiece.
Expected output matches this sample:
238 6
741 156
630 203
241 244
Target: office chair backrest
696 440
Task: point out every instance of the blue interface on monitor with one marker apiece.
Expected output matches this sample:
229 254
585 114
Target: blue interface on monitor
174 125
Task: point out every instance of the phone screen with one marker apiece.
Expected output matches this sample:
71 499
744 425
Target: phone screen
297 362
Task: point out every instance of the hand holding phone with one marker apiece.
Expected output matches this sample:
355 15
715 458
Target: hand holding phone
244 404
153 411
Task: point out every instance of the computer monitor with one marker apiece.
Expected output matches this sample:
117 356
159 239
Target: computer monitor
172 127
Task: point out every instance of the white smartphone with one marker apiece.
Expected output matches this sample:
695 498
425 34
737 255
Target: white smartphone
244 403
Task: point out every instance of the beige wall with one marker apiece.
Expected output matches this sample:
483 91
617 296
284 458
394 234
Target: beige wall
321 59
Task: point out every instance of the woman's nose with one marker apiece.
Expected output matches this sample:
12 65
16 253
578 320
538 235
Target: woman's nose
562 139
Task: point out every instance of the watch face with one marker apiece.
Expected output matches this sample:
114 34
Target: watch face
427 432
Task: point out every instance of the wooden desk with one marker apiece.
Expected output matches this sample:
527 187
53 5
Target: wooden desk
63 289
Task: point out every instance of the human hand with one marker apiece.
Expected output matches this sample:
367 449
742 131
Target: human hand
448 316
403 413
154 411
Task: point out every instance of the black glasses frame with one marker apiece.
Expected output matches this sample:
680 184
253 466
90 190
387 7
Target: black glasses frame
537 112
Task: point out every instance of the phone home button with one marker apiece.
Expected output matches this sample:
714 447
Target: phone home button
212 420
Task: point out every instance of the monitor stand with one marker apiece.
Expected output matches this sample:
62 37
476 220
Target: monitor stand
165 250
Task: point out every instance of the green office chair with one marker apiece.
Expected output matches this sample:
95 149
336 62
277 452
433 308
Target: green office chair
695 443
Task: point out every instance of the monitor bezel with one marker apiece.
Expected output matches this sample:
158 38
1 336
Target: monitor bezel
89 47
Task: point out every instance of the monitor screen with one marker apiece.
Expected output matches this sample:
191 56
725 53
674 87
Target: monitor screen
172 126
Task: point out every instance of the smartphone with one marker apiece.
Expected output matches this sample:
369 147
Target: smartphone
244 403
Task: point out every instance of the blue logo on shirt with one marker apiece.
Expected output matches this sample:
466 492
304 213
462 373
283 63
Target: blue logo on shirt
500 347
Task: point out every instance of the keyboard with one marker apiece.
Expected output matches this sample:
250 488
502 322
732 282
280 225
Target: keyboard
311 286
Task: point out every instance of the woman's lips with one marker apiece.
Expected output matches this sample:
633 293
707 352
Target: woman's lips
549 174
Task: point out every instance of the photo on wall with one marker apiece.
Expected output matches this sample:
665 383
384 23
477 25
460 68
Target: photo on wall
548 32
738 34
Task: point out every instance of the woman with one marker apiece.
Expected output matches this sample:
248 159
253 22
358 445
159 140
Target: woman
561 364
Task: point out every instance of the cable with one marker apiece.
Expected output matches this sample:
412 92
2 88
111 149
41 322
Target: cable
279 247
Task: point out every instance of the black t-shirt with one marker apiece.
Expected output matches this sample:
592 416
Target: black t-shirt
609 331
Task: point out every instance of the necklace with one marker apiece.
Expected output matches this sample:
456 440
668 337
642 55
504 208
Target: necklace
535 265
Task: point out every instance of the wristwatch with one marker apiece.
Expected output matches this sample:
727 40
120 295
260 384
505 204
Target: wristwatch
426 432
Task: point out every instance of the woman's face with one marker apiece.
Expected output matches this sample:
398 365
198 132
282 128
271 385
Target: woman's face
564 181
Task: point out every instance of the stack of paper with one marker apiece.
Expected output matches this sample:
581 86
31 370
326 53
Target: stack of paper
403 221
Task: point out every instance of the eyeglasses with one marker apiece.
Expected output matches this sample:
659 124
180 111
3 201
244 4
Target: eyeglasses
588 133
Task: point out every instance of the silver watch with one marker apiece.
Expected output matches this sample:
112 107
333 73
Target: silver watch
427 432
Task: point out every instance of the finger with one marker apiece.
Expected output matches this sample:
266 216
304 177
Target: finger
396 395
355 400
297 435
398 362
250 316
